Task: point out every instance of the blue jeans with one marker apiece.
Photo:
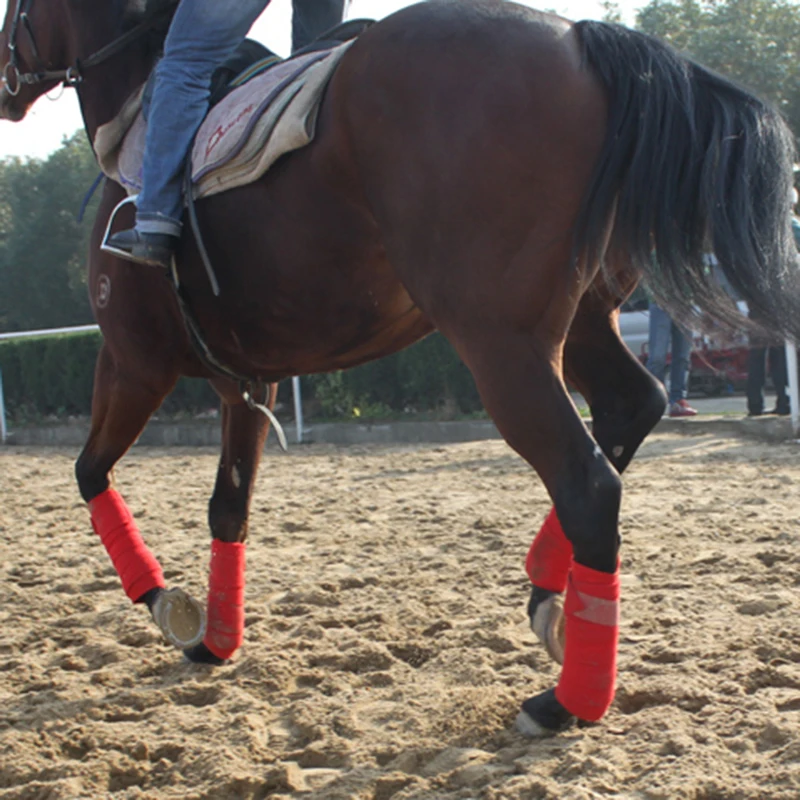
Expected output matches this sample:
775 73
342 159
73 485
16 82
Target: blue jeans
202 35
663 333
757 356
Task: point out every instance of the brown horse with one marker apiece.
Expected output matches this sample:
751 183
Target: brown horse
480 168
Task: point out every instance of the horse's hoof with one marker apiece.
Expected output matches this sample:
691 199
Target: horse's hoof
200 654
543 715
547 622
181 618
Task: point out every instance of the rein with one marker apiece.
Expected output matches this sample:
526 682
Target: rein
70 76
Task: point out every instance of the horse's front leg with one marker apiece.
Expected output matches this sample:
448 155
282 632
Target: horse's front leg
243 434
122 403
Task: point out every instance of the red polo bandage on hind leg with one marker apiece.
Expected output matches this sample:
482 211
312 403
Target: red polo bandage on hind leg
225 630
589 672
550 556
136 566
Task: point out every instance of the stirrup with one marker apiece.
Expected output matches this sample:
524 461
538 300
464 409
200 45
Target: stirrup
159 258
104 245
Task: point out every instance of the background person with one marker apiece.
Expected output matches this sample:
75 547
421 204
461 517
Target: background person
762 350
765 350
666 335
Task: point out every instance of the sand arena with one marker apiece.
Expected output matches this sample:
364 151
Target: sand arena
387 647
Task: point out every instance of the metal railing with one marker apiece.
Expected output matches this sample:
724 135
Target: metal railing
49 332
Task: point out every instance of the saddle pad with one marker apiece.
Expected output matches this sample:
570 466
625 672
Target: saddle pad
272 114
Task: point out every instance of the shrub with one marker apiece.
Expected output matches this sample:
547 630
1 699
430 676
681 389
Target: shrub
53 375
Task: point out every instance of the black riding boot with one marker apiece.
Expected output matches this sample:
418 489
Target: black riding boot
154 249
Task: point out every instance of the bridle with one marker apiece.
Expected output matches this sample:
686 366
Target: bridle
72 75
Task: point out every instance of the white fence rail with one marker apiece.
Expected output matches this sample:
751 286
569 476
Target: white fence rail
31 335
3 428
298 398
48 332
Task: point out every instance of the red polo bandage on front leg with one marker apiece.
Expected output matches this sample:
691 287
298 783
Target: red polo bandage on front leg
135 564
225 630
550 556
589 672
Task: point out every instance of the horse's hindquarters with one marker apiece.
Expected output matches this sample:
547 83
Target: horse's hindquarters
474 167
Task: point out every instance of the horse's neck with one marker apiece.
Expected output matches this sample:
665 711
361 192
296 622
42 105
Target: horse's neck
106 88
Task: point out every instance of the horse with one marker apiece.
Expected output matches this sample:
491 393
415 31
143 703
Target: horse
498 174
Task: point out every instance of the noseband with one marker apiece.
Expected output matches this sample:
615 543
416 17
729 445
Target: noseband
13 79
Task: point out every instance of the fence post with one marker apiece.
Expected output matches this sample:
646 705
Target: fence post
3 428
298 408
794 392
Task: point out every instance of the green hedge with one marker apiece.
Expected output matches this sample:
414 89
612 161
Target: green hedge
52 376
49 374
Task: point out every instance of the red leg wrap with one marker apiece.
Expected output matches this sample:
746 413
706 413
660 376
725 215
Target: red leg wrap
225 630
589 672
550 556
135 564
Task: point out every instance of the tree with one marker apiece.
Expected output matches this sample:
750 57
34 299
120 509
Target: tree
754 42
43 246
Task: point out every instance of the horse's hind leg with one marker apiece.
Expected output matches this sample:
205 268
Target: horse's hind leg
122 403
626 403
518 373
243 434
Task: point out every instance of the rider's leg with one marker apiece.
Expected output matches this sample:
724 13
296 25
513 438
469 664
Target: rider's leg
202 35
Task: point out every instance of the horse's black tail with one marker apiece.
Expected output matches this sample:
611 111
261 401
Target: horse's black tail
692 164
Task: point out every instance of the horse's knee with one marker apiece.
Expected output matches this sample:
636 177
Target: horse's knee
588 510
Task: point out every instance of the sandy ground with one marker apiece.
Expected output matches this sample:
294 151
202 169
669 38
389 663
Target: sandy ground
387 648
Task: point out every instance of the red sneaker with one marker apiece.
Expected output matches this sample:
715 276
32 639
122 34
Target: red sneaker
681 408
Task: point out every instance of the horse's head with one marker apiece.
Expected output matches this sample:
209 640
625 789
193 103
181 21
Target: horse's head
45 43
34 40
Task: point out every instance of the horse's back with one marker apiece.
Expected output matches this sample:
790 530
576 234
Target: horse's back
466 63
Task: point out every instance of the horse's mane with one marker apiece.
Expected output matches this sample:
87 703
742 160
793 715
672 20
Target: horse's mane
130 13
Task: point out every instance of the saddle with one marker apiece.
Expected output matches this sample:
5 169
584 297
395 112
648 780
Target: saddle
262 108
